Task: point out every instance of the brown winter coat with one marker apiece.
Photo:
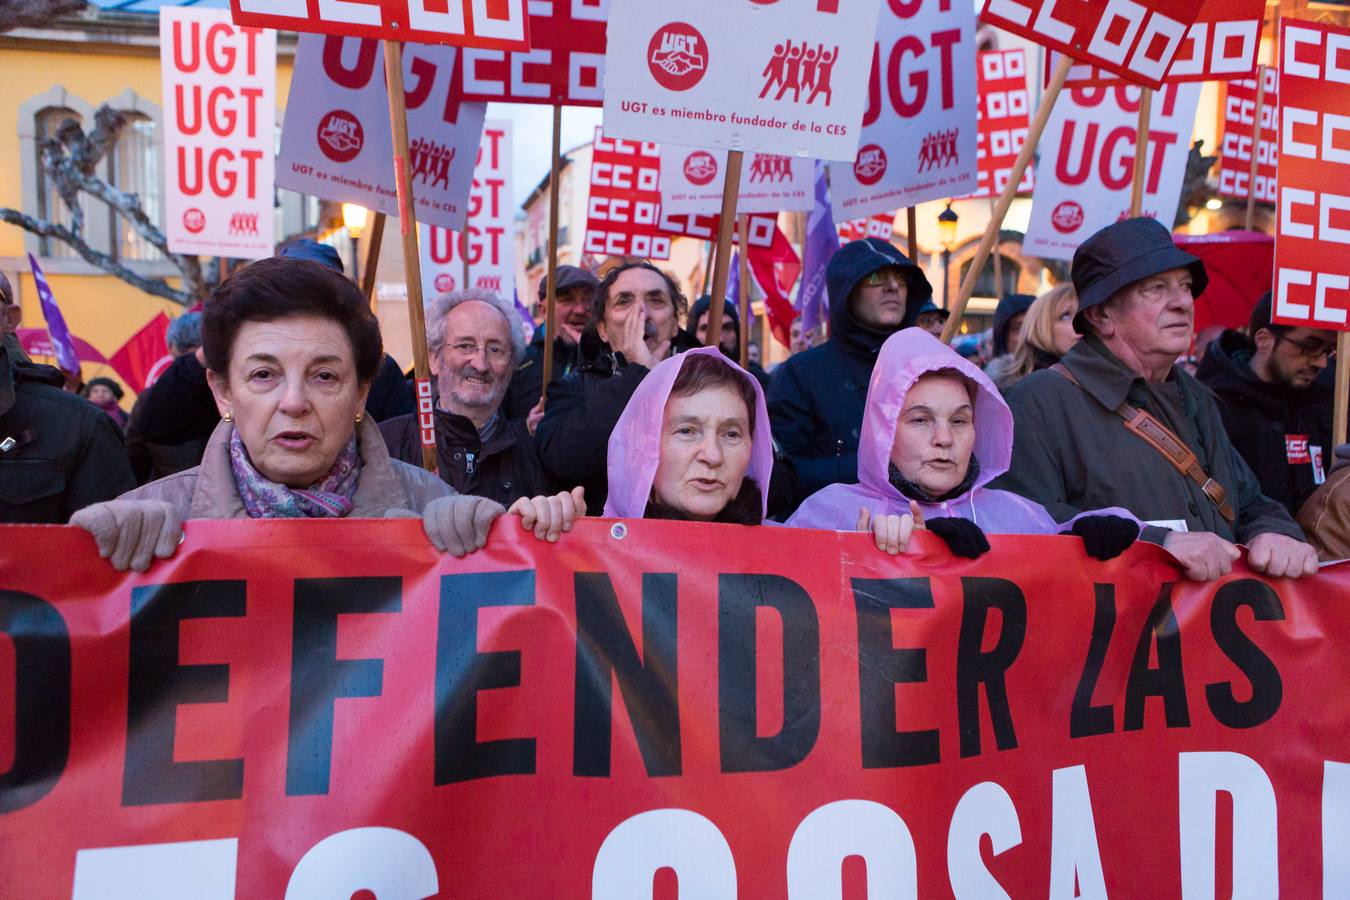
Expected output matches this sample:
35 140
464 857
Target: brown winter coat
208 491
1326 516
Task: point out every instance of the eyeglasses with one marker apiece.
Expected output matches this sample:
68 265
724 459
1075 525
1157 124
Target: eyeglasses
881 276
1311 348
469 349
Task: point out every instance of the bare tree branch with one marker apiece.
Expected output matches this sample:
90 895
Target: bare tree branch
157 286
35 13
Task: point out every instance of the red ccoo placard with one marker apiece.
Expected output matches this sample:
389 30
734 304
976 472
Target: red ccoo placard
501 24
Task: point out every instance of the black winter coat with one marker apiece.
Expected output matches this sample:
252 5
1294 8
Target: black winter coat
1275 428
58 452
528 381
504 469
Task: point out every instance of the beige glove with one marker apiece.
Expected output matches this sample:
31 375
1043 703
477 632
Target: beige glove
132 533
459 525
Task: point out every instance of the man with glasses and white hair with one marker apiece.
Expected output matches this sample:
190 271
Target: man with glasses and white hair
1118 423
475 342
1275 406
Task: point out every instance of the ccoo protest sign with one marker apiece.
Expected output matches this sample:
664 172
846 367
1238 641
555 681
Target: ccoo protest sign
692 182
336 143
919 132
488 239
220 94
1083 180
1004 112
775 77
470 23
565 63
331 709
1135 39
623 212
1239 131
1312 263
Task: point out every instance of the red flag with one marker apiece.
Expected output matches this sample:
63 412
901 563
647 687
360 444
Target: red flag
140 354
775 266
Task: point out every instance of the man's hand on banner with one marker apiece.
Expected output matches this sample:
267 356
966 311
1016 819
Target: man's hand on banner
456 525
1280 556
132 533
549 517
892 533
1105 537
1204 556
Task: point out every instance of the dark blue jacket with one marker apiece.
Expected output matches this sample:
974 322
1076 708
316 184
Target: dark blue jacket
816 398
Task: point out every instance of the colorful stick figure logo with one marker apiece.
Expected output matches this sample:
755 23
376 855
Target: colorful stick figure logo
677 56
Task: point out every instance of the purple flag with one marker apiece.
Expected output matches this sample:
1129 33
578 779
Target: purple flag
526 319
822 242
66 357
734 285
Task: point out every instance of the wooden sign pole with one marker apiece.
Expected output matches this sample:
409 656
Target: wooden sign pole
1249 219
551 285
1141 153
1339 416
743 295
912 229
412 264
372 261
1006 198
708 267
719 287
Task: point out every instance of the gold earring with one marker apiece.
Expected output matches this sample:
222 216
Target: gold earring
359 417
228 417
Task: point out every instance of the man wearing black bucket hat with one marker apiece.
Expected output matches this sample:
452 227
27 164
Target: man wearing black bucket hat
816 398
1116 423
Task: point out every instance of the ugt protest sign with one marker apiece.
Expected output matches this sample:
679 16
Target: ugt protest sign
776 77
692 181
1312 263
1135 39
476 23
1083 178
488 240
220 94
331 709
919 132
565 63
336 143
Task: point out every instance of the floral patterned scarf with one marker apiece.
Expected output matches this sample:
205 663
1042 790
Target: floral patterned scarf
329 497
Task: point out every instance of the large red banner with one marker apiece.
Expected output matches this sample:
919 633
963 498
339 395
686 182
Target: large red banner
1312 269
565 63
467 23
331 709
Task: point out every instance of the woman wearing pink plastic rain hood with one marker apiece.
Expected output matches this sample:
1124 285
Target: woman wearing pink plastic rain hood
935 433
693 443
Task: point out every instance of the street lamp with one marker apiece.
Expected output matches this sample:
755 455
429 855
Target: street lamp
947 220
354 219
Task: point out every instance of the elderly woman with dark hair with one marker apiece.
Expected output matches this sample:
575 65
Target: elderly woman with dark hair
291 348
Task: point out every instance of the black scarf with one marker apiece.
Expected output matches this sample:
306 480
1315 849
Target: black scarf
912 491
746 509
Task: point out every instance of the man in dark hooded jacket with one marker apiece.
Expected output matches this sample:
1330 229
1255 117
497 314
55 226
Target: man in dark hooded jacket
816 398
1275 411
729 342
58 452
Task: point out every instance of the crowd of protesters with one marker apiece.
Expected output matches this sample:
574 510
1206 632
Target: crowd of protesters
281 402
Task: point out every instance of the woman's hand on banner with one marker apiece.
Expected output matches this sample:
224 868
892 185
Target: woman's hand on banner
549 517
132 533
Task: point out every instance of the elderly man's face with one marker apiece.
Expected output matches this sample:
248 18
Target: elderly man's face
474 366
574 312
1155 317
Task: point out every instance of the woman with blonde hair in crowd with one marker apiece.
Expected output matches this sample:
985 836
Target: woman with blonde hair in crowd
1047 334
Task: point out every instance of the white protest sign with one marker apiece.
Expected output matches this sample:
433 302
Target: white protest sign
692 180
777 76
219 109
336 142
920 131
487 241
1087 163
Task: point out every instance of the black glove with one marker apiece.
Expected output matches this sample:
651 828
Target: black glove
1105 537
962 536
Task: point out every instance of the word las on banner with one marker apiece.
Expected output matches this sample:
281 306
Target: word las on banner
919 137
1312 265
1083 181
336 143
219 133
786 78
1004 111
486 241
692 181
881 226
469 23
239 722
1239 130
565 63
1222 45
1135 39
623 214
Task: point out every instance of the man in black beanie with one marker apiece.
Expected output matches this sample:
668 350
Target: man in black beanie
1117 423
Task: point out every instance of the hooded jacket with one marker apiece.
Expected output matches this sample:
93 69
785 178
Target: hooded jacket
1283 433
635 446
816 397
905 358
